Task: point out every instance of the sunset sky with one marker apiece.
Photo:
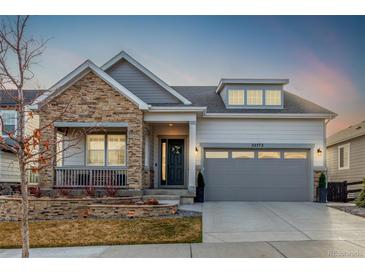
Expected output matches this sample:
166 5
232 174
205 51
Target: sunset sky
322 56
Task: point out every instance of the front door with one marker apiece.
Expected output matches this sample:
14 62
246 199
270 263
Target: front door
172 162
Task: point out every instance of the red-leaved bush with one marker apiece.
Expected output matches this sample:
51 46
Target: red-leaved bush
90 191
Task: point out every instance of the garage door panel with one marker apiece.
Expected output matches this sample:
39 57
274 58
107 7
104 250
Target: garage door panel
257 179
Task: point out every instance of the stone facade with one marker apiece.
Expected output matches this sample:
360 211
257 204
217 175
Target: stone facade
55 208
132 211
91 99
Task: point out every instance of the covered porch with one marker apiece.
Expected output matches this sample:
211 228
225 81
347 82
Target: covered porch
91 155
170 150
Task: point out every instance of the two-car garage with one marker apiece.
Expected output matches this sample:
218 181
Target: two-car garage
257 174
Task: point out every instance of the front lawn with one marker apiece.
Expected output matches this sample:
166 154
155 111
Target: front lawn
104 232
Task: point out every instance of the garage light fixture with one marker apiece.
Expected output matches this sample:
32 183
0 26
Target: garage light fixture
319 152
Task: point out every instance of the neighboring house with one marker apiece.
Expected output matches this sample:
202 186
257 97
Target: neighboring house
346 154
252 140
9 168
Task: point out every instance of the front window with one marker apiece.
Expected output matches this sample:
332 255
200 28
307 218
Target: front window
254 97
236 97
273 97
116 150
107 150
344 157
9 118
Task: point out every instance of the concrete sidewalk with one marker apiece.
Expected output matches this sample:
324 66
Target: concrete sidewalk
290 249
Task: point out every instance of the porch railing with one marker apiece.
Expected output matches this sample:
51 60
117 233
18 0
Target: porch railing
91 177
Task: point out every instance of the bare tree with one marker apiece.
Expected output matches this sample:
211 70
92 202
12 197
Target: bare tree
18 55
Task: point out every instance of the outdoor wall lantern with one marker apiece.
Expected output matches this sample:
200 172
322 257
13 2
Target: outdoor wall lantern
319 152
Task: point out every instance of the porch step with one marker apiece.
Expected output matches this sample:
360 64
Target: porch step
182 195
178 192
162 197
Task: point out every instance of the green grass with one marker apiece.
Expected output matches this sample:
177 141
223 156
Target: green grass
104 232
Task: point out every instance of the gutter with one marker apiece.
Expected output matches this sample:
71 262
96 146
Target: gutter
270 115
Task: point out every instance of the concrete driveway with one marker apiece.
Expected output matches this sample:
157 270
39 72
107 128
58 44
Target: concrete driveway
278 221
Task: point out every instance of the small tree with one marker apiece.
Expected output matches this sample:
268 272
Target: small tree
360 200
18 54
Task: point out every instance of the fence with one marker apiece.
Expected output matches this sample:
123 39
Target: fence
343 191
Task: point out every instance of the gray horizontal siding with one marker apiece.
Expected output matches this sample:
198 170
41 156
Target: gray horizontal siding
356 171
140 84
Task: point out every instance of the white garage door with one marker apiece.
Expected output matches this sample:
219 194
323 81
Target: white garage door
256 175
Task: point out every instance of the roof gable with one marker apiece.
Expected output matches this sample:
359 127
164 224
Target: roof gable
132 68
347 134
77 74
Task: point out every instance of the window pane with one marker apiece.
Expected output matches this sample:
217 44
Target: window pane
95 150
116 150
254 97
163 171
273 97
9 119
341 157
269 155
236 97
344 156
295 155
243 154
216 154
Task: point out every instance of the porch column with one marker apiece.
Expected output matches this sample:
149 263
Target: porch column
192 146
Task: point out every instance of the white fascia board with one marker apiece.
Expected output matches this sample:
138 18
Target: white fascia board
78 73
177 109
163 117
268 115
124 55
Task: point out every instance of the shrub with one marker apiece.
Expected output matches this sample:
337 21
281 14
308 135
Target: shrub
35 190
152 201
201 182
360 200
322 181
111 191
90 191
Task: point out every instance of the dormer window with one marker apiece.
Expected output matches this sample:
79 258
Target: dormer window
254 97
273 97
236 97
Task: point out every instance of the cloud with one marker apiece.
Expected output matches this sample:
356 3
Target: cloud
329 86
326 82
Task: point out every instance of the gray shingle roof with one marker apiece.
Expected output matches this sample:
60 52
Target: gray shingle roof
7 100
207 96
349 133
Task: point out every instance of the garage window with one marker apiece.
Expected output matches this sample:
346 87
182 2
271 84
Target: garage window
243 154
295 155
269 155
216 154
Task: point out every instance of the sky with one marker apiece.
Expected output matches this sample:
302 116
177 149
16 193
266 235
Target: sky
322 56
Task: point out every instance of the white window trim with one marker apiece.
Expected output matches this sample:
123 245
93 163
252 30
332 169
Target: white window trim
346 165
106 151
16 121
